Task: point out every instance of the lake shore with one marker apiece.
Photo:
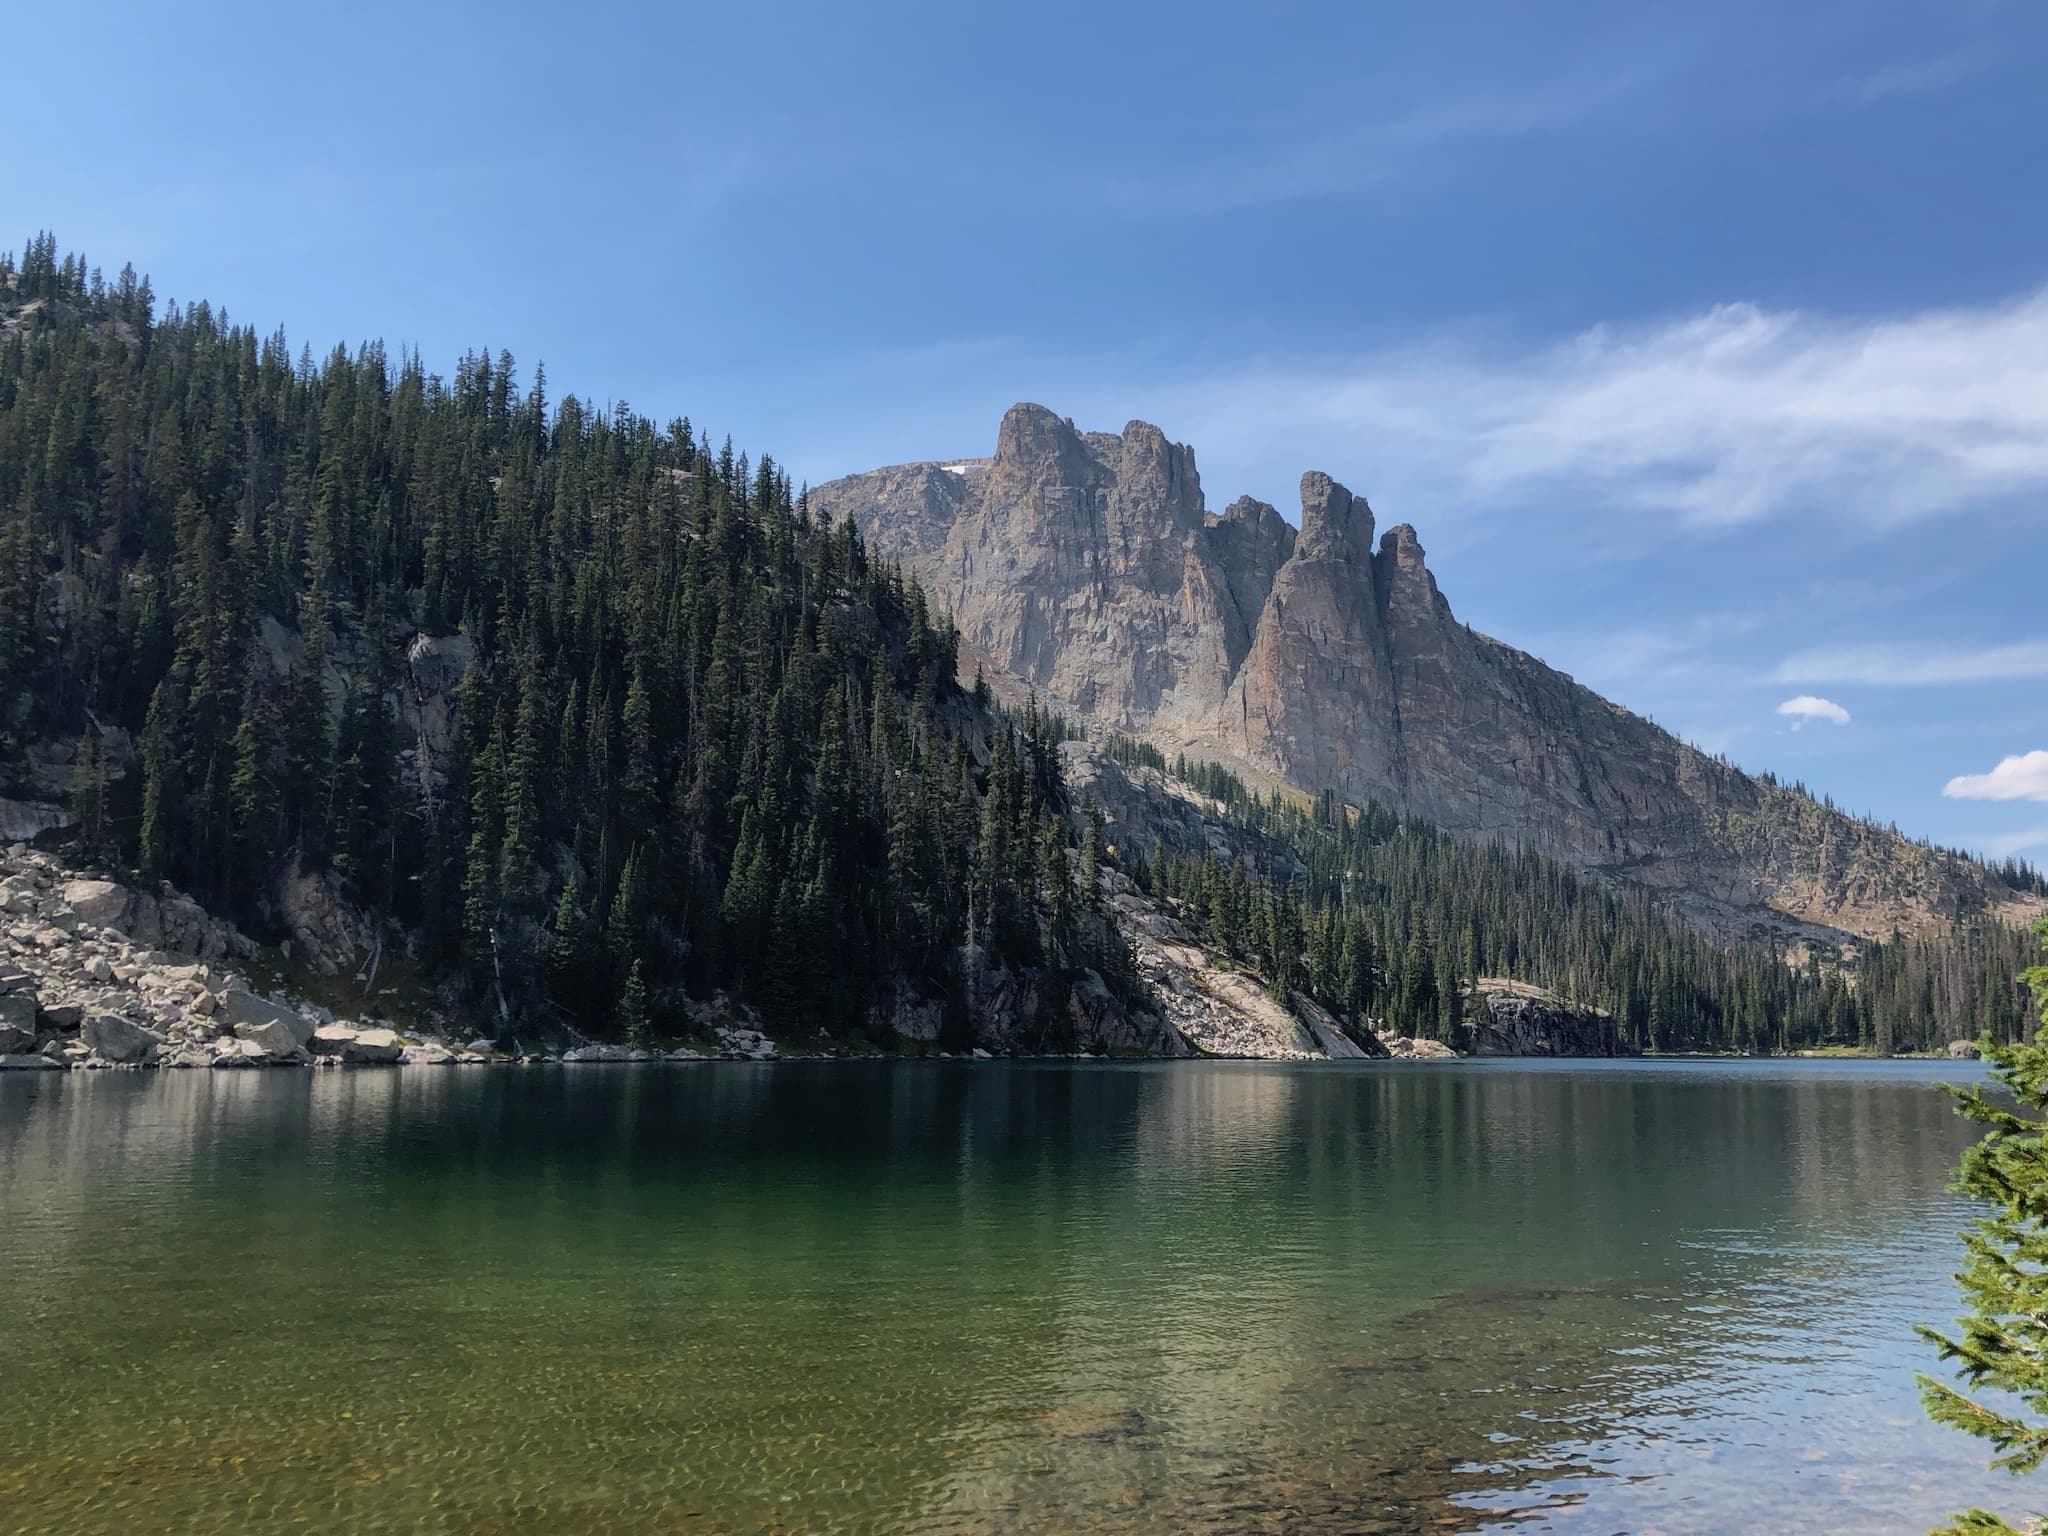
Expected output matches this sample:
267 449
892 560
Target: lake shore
96 975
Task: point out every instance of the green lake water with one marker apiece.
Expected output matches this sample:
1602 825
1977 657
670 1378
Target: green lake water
1644 1297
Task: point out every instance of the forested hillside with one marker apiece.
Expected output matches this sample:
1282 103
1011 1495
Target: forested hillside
700 741
1387 916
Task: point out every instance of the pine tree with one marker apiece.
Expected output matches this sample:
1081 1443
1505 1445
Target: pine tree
2003 1345
634 1021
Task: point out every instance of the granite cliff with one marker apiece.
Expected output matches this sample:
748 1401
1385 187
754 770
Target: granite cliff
1086 566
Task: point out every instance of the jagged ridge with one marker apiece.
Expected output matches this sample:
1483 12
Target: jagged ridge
1087 567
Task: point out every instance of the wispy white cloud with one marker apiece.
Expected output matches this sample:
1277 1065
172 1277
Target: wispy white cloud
2007 844
1890 664
1728 416
2020 777
1808 707
1381 147
1920 77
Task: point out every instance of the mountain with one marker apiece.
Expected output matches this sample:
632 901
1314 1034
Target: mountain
562 723
1086 567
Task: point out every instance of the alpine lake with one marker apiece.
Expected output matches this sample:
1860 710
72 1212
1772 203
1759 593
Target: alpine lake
1647 1297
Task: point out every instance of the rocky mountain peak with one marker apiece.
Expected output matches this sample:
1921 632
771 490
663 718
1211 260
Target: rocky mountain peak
1083 565
1155 503
1254 513
1402 548
1335 525
1030 433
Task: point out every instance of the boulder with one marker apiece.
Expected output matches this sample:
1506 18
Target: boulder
749 1044
15 1061
1335 1042
332 1039
428 1055
1963 1050
114 1038
597 1051
99 902
178 924
373 1047
65 1016
1525 1020
276 1039
239 1006
17 1021
99 968
240 1053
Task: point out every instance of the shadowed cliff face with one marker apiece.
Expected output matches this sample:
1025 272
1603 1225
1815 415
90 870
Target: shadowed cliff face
1085 566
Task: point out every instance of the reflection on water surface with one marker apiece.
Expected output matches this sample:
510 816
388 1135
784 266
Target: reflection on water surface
812 1297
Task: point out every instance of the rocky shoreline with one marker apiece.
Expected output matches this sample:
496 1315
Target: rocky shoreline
97 975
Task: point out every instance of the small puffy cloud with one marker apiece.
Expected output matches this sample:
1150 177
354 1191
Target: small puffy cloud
1808 707
2022 777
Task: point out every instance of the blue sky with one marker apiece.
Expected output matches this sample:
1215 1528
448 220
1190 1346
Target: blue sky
1706 346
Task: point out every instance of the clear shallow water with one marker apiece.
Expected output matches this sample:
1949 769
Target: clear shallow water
1636 1297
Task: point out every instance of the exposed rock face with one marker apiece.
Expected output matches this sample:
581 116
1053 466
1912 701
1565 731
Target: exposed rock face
328 933
1085 566
1081 564
1524 1020
1215 1008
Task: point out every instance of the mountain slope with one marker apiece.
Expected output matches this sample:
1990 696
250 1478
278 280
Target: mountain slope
1086 567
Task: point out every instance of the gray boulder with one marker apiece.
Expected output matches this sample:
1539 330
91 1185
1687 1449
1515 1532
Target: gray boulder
99 902
17 1021
239 1006
274 1038
602 1051
1963 1050
114 1038
332 1039
373 1047
233 1054
21 1062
